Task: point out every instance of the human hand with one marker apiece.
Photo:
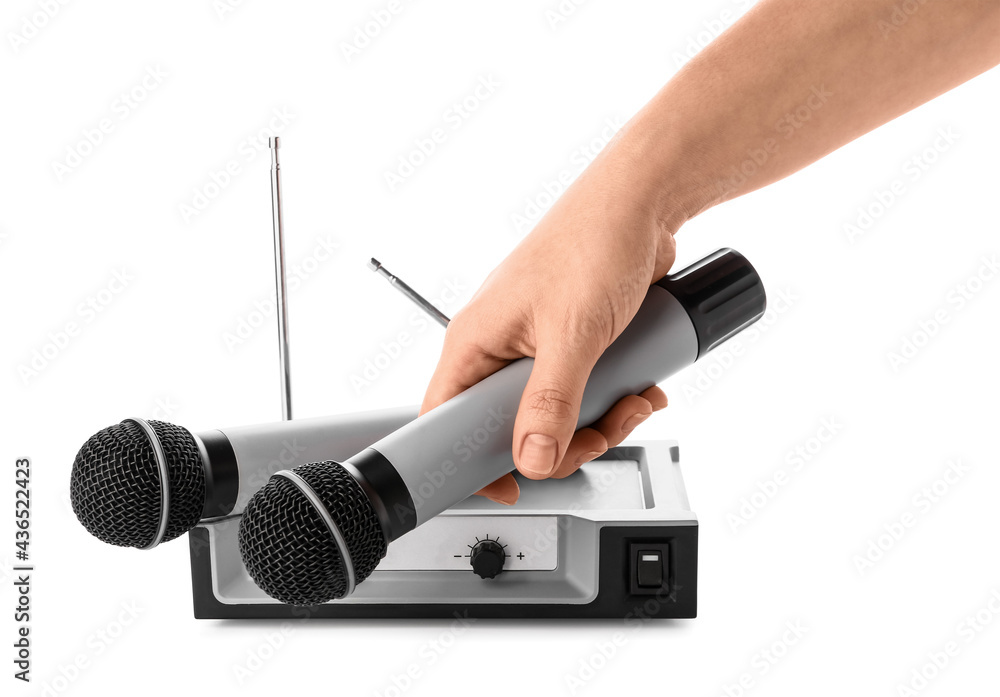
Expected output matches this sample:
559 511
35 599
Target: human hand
562 296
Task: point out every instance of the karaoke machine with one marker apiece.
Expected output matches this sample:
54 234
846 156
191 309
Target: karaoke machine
615 539
373 515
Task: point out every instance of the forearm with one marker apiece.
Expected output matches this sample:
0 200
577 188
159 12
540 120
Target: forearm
791 82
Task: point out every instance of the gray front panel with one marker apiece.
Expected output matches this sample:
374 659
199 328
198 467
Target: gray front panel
445 543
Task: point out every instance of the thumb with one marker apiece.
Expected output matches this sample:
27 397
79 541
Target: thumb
549 409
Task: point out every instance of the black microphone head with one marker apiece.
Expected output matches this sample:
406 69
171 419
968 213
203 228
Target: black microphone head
117 486
310 535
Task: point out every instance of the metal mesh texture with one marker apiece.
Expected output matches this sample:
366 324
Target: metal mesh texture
288 549
115 484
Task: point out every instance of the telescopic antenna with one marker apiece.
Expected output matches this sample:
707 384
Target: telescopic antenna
279 280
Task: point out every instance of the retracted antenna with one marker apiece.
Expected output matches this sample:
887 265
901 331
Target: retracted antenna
397 283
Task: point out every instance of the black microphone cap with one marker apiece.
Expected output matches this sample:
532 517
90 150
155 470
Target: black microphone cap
721 293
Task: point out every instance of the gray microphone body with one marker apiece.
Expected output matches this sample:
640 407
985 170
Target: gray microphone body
313 533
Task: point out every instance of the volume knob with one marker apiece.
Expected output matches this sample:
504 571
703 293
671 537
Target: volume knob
487 558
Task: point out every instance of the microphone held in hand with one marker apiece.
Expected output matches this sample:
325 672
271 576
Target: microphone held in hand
314 532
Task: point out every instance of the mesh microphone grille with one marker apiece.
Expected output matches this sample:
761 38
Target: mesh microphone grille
115 484
187 478
288 549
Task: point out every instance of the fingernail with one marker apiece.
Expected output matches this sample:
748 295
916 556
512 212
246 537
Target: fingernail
587 457
504 501
538 454
633 421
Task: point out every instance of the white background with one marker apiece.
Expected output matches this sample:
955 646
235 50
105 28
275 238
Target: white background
159 349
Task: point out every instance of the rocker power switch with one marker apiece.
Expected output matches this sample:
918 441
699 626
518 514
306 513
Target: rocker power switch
649 569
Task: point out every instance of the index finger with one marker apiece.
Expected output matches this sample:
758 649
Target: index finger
460 366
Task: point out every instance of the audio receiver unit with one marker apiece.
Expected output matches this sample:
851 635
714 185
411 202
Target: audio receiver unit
615 539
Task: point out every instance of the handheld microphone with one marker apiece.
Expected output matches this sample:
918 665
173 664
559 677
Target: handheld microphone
139 483
312 533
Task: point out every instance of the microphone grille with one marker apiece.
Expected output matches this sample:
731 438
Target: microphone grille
115 485
287 547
